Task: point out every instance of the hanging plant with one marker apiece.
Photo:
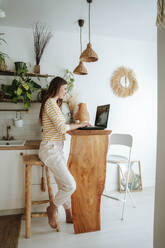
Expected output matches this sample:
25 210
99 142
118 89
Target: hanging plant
41 36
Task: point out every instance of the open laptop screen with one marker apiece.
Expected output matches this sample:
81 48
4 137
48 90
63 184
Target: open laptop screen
102 115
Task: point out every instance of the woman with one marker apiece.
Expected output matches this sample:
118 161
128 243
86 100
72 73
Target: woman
51 148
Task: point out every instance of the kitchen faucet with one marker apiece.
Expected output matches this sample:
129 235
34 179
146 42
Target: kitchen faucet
8 137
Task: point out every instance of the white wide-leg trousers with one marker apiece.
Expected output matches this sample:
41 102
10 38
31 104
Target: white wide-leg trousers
52 155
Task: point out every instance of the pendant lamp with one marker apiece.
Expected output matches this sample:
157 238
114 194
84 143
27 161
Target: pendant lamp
89 55
80 69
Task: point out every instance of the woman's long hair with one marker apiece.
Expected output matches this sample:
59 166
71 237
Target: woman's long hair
52 91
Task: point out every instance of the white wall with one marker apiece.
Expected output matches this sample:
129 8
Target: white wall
136 114
159 237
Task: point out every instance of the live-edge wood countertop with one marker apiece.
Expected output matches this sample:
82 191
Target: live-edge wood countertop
29 145
89 132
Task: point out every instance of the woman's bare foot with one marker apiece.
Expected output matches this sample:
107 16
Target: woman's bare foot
68 216
52 215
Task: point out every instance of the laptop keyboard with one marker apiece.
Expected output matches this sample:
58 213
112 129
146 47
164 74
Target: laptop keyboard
91 128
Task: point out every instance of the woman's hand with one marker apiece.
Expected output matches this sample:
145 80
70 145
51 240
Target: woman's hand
84 124
73 126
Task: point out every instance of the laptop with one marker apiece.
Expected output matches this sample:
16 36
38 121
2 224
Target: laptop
101 118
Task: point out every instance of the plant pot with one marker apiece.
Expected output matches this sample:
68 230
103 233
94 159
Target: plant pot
37 69
20 65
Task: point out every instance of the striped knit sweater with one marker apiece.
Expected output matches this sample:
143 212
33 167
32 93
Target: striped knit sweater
53 122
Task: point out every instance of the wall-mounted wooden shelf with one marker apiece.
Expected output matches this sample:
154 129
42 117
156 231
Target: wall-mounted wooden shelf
20 101
30 74
13 110
16 110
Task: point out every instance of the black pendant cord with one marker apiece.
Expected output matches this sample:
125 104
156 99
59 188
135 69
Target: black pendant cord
89 24
80 40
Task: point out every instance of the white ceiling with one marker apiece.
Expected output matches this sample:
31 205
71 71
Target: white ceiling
131 19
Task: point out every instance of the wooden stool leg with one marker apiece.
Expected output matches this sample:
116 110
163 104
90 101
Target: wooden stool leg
51 196
28 175
50 191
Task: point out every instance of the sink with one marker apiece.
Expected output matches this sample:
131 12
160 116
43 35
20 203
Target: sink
12 142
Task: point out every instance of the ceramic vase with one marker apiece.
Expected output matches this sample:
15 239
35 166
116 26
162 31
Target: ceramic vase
37 69
82 113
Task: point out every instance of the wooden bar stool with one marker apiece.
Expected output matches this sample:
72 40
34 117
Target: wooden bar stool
29 161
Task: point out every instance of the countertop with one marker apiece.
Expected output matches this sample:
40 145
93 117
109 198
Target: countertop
89 132
29 145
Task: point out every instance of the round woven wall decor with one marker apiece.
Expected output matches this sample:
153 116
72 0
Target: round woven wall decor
128 87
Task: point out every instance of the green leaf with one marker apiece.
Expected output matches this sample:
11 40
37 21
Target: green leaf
25 85
15 99
31 86
15 83
28 95
26 105
19 91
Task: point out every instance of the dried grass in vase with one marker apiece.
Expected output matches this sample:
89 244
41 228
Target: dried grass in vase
72 103
41 36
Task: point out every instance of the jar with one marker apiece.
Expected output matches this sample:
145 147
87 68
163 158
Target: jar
82 114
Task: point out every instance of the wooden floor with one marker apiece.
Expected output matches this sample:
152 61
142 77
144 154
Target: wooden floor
9 230
136 231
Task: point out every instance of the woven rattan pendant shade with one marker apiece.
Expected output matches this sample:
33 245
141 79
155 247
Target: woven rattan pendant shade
80 69
89 55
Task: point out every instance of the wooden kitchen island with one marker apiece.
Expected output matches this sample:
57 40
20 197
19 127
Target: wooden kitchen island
87 163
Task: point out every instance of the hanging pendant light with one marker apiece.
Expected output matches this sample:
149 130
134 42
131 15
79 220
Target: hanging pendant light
80 69
89 54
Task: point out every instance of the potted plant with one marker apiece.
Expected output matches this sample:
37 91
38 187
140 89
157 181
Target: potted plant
21 88
19 66
3 65
41 37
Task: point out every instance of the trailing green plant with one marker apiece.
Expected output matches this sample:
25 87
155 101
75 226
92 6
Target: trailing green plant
69 77
21 88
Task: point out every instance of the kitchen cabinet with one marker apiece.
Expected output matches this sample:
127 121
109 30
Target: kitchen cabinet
12 180
12 177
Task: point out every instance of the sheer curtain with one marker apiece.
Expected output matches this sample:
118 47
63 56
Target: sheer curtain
160 22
